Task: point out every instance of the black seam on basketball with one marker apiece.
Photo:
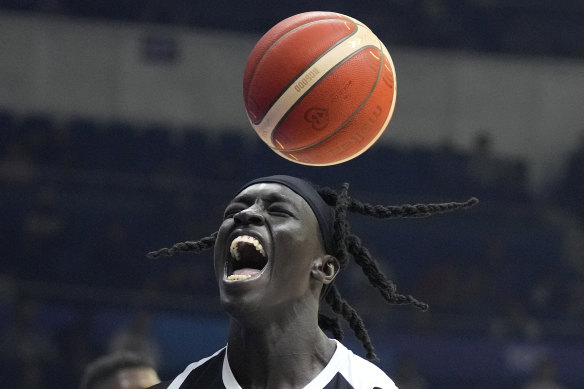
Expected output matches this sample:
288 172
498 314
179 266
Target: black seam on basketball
303 70
380 71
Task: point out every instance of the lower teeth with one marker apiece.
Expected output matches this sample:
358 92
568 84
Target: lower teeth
238 277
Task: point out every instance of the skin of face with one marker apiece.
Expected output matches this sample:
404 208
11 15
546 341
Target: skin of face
131 378
284 224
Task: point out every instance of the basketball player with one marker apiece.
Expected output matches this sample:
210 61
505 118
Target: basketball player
122 370
280 246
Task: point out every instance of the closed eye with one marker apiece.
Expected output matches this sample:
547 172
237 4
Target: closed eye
280 211
231 210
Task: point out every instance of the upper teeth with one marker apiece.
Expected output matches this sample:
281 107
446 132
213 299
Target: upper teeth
245 239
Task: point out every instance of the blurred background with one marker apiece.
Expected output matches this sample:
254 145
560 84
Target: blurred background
122 130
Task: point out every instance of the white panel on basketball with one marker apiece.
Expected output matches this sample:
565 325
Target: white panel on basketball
361 37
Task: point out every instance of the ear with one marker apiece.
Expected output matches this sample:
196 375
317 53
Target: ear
325 268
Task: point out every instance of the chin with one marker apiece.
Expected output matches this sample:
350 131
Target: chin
246 309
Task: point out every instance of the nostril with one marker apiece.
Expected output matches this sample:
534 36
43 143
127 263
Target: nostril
256 219
248 217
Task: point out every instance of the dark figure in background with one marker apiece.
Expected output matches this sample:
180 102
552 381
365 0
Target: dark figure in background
544 376
28 351
570 190
122 370
280 246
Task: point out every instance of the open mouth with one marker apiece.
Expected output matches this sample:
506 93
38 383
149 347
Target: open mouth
248 258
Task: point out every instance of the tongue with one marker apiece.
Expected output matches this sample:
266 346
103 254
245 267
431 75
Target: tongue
246 271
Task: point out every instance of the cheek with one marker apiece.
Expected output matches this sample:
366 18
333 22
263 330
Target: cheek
297 247
302 239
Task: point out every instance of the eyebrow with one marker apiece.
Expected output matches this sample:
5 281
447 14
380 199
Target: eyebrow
271 197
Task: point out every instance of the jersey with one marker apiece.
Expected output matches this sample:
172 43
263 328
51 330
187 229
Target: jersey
345 370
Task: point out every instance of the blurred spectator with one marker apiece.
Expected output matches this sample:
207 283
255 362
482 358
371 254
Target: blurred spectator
36 133
17 165
76 348
191 278
165 12
137 338
514 180
184 214
515 322
407 375
120 371
474 290
575 299
26 348
440 280
543 295
43 221
43 232
544 376
114 257
62 151
448 165
483 166
571 187
168 171
493 175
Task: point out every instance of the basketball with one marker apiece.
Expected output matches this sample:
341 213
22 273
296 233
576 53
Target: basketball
319 88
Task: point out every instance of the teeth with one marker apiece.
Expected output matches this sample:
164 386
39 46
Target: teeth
238 277
245 239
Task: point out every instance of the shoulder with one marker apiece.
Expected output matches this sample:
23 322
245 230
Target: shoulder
361 373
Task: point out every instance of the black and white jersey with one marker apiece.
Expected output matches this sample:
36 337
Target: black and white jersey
345 370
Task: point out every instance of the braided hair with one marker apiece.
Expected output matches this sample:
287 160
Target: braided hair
348 245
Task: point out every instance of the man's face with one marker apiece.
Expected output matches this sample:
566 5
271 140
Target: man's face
265 251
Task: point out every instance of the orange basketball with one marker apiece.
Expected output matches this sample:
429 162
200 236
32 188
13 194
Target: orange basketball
319 88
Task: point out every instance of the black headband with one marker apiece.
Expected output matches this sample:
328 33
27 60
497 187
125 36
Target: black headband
323 212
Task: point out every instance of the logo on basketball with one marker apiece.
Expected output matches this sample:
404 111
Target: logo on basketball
317 117
308 77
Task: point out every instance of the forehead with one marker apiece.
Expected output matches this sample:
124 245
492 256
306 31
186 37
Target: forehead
272 192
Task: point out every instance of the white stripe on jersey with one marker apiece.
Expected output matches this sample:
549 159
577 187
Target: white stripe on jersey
177 382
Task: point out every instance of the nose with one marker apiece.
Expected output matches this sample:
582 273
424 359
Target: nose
248 216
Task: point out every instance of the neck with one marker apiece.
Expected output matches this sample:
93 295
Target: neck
281 354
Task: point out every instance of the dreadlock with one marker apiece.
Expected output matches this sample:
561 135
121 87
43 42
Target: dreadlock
348 245
343 308
188 246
